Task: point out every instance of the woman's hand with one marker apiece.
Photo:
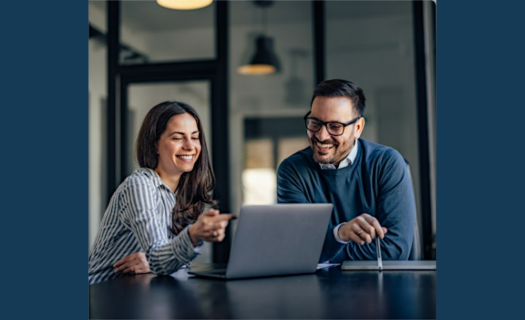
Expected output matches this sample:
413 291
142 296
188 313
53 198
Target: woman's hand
210 226
134 263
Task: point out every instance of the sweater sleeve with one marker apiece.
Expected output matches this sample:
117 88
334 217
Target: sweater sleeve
291 188
395 210
289 184
139 212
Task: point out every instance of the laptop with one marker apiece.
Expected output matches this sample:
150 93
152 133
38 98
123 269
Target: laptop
275 240
389 265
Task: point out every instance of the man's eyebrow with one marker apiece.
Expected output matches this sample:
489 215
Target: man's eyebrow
332 121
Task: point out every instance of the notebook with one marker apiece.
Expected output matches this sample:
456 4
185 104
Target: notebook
389 265
275 240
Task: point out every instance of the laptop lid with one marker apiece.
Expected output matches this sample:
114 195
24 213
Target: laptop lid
277 239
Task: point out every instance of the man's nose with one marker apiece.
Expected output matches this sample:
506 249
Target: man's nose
323 134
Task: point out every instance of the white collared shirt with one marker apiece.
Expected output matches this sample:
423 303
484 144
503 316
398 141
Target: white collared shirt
345 163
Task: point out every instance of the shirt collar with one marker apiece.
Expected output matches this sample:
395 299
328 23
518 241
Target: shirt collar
349 160
156 178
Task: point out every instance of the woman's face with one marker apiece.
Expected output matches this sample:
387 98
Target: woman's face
179 146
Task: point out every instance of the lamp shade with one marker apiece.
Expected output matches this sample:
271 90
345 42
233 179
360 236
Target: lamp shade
264 60
184 4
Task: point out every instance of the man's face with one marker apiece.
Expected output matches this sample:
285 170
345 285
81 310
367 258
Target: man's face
329 148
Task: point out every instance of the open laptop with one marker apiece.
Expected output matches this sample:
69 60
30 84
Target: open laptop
389 265
275 240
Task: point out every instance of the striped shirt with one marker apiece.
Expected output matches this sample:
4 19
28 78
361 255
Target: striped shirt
138 218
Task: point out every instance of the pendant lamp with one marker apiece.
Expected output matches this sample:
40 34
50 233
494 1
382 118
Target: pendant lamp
264 61
184 4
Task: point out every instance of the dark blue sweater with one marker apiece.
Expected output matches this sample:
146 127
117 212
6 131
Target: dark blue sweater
376 183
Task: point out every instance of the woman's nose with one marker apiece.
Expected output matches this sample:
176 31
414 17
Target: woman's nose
188 144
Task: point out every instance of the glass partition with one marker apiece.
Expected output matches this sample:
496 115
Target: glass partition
261 103
371 43
151 33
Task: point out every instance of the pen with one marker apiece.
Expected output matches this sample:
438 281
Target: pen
379 260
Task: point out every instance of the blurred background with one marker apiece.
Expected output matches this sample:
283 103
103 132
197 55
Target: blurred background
141 54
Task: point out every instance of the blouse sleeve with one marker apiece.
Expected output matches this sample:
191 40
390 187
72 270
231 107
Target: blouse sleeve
139 212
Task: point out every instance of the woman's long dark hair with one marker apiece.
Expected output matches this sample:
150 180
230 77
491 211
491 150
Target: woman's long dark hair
194 188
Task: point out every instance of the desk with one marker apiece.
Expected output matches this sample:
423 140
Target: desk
327 294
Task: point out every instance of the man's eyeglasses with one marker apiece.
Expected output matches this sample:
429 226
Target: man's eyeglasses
334 128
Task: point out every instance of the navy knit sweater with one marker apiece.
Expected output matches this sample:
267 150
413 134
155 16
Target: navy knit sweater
376 183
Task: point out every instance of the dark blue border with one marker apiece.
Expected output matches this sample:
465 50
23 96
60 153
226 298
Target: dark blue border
480 89
44 131
480 68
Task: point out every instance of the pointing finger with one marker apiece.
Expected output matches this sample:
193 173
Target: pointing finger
225 217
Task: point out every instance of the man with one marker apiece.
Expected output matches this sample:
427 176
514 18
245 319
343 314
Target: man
367 183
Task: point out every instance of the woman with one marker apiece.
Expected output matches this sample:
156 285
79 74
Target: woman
158 209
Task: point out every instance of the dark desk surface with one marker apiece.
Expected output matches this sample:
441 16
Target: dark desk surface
327 294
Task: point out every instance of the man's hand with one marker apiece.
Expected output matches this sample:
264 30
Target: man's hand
210 226
134 263
361 229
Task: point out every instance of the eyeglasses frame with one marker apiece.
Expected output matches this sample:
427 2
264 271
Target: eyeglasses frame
325 124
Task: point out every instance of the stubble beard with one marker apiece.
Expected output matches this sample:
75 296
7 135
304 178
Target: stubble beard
322 159
337 153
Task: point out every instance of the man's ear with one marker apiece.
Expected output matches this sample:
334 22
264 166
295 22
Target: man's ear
359 126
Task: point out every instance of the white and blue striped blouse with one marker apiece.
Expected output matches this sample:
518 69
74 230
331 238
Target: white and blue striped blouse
138 218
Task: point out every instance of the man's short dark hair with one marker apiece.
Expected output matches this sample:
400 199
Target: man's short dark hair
341 88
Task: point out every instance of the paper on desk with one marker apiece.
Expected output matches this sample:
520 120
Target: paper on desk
326 265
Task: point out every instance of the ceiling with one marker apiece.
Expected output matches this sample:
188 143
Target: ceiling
149 16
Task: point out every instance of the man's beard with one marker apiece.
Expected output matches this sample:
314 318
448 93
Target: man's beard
337 153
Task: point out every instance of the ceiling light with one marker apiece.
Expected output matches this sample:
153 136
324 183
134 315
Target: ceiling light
184 4
264 61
